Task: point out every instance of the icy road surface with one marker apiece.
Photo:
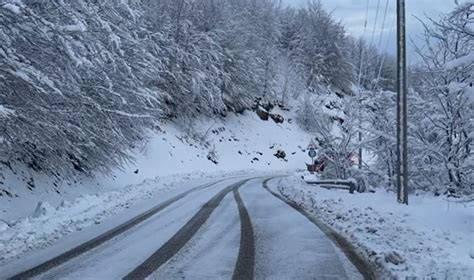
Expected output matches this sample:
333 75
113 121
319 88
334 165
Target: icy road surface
228 229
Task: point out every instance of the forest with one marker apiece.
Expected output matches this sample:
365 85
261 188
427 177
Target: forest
83 82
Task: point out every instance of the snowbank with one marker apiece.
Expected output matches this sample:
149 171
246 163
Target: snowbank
47 224
431 237
37 210
238 142
235 143
310 178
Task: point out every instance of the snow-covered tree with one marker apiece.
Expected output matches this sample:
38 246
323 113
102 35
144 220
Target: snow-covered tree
442 109
318 46
83 81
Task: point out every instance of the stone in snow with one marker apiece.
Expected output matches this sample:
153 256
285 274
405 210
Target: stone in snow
42 209
3 225
394 257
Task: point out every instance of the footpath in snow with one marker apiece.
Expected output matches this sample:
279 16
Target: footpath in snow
432 238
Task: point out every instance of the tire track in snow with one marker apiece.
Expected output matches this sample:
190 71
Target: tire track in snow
177 242
244 267
99 240
359 262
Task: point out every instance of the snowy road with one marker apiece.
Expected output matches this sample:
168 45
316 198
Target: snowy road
229 229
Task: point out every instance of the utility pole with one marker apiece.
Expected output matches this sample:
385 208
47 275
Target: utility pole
402 146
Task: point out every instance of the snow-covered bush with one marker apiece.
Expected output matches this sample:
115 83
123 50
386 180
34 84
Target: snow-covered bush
441 106
330 117
318 46
441 109
82 81
77 83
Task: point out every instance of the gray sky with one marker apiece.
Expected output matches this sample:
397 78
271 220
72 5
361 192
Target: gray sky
352 14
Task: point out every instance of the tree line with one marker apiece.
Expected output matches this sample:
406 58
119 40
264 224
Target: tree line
83 82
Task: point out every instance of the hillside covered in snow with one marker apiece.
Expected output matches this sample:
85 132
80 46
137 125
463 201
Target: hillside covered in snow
237 143
83 83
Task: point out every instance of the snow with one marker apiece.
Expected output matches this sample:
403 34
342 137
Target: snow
78 62
5 111
12 8
129 250
288 245
433 236
470 95
241 142
3 226
129 10
28 73
47 224
464 60
41 210
78 27
310 178
203 257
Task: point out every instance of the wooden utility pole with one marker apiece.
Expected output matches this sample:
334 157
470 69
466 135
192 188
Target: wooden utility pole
402 146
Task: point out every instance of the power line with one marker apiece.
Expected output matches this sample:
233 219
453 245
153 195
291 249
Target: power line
360 76
375 23
372 37
383 24
361 47
384 54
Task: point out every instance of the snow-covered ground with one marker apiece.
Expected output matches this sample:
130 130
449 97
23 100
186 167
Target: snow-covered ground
171 159
431 238
240 142
236 143
48 224
115 259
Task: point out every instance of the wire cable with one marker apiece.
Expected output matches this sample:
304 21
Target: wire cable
372 38
384 55
362 47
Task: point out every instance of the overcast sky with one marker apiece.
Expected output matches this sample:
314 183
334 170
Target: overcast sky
352 14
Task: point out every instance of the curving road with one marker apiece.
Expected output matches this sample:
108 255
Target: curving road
228 229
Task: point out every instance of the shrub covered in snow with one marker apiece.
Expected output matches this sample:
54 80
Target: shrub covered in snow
82 81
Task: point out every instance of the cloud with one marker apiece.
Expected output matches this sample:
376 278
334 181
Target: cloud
352 14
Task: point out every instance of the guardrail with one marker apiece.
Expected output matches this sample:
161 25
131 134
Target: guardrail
350 185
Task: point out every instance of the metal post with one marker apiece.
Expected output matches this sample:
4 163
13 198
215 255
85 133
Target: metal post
402 146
